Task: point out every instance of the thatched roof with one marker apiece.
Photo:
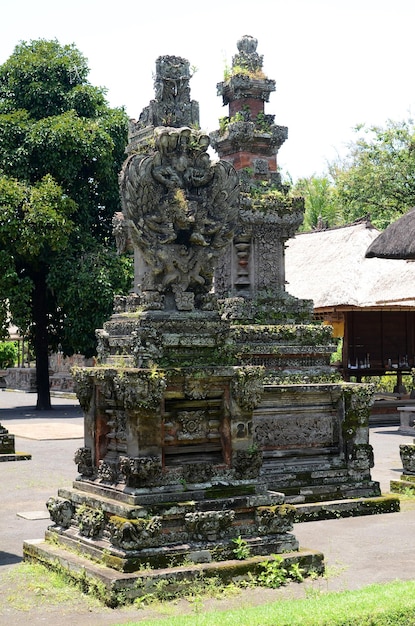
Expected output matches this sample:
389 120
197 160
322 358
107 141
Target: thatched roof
397 241
330 268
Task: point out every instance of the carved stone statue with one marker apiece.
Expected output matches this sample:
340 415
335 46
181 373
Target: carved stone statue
181 210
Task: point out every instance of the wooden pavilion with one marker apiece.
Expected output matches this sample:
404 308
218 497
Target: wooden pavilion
370 302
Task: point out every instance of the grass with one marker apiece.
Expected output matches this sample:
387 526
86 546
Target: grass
391 604
28 586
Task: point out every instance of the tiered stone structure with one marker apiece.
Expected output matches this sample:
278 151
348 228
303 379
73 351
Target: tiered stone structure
250 276
312 430
169 471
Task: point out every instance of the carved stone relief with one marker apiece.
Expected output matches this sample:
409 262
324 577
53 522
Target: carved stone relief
209 525
295 430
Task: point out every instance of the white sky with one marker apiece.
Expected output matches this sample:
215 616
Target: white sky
336 63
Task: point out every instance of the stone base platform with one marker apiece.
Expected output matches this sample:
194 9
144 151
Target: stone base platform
114 587
406 483
16 456
355 507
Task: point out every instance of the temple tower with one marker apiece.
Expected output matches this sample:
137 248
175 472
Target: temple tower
269 215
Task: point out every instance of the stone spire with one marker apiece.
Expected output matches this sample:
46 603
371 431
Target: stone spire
269 214
248 137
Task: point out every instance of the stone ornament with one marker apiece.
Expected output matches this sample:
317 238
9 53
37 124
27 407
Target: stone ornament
108 471
83 458
133 534
90 521
209 525
181 210
407 454
141 471
273 520
247 463
60 511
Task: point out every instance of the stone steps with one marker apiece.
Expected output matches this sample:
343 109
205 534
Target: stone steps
352 507
308 484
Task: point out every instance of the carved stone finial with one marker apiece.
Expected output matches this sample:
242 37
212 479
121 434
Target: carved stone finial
172 105
247 44
248 57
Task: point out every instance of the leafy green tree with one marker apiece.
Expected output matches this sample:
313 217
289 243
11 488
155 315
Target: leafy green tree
61 149
377 178
322 208
8 354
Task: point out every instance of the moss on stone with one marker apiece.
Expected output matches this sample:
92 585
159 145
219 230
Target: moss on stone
228 491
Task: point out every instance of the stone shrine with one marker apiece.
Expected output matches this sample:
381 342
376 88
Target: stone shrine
312 428
169 474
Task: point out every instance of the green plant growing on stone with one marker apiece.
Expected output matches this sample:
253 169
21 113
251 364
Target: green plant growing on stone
261 123
296 572
253 448
241 550
274 574
239 70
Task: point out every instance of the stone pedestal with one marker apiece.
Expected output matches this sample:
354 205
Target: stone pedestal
169 474
7 448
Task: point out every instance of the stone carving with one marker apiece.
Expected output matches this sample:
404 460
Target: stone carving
172 105
248 387
90 521
247 463
6 441
131 389
132 534
181 210
242 245
193 425
83 458
197 472
295 430
247 55
140 471
407 454
108 471
117 421
60 511
196 388
362 457
209 525
83 387
120 232
274 520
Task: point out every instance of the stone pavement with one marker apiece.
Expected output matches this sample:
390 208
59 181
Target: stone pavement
358 551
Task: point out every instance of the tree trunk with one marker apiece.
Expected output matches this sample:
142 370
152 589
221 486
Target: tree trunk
41 342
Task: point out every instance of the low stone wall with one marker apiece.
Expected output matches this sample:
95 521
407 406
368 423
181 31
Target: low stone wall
22 378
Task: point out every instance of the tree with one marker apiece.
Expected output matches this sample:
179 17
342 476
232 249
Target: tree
377 178
61 149
321 204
